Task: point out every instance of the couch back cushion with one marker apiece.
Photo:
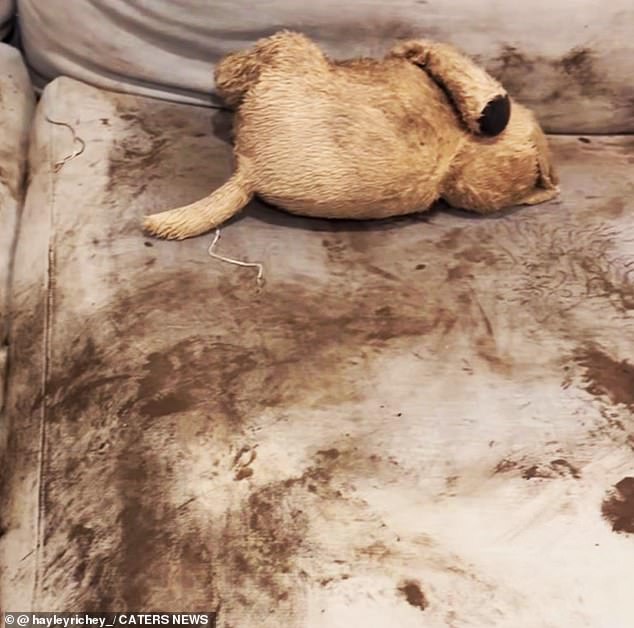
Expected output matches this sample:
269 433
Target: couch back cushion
568 60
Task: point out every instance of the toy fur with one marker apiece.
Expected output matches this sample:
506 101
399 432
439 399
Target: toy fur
368 138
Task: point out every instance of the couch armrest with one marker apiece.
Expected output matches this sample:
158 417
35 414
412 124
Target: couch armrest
16 111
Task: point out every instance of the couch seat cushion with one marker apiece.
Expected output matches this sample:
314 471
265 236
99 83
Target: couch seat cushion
418 422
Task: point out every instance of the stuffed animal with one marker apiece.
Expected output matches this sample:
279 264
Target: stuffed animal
368 138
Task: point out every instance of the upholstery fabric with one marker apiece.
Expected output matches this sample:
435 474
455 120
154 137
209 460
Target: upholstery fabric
417 422
570 60
16 111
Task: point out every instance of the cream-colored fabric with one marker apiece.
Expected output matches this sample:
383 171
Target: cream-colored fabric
414 423
569 60
16 111
7 9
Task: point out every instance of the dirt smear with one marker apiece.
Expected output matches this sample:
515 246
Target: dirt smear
414 595
618 506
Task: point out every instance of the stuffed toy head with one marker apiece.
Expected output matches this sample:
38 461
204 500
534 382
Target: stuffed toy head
367 138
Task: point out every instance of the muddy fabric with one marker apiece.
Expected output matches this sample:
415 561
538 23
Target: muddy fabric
7 10
16 110
418 422
570 61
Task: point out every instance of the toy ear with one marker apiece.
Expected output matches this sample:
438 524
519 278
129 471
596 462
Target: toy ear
482 103
495 116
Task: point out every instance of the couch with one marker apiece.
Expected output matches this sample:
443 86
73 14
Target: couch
422 422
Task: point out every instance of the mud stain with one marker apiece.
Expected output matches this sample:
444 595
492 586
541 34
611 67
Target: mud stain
604 280
478 254
575 73
5 180
615 208
138 151
374 36
271 350
459 272
558 468
261 542
565 270
505 465
618 506
155 144
266 539
19 424
243 474
83 537
414 595
81 383
452 239
187 357
125 398
607 378
161 547
554 469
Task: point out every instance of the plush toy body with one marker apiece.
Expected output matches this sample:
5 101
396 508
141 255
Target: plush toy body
368 138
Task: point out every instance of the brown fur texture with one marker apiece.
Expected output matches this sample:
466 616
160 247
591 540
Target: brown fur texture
366 138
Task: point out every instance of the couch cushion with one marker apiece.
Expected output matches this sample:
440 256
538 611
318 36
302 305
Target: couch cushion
575 77
418 422
7 9
16 110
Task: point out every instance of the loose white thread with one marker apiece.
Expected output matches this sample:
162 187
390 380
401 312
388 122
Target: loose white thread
260 276
76 140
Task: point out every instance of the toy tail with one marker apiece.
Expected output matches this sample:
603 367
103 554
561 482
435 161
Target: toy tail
203 215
